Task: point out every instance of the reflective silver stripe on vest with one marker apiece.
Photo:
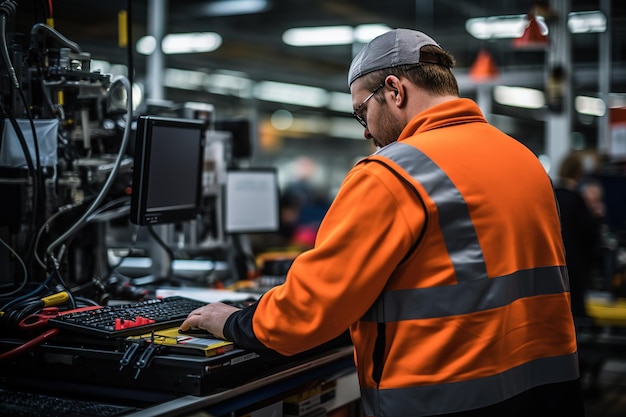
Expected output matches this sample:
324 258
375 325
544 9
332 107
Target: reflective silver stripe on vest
466 395
455 222
467 297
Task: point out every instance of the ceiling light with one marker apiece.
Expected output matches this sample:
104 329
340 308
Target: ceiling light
185 43
235 7
146 45
365 33
502 27
513 26
291 94
527 98
184 79
497 27
180 43
333 35
316 36
591 106
586 22
232 83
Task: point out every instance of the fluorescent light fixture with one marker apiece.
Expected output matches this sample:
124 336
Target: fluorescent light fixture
333 35
513 26
186 43
146 45
180 43
502 27
193 265
596 106
527 98
290 93
365 33
235 7
230 83
227 83
591 106
316 36
184 79
497 27
586 22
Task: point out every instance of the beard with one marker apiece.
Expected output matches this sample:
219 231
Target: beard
389 128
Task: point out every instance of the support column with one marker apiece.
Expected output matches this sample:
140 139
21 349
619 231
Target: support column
156 62
161 262
483 99
559 124
604 78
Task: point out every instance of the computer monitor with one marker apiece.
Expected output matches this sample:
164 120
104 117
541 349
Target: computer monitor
251 201
241 140
168 170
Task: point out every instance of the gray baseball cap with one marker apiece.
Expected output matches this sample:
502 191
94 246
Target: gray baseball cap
393 48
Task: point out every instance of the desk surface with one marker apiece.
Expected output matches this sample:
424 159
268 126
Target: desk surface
64 372
336 364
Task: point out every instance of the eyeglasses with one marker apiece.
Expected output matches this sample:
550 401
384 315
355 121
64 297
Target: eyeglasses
356 111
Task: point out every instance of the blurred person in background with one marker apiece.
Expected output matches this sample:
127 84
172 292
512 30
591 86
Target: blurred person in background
580 229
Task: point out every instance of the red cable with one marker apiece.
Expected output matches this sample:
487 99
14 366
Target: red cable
29 345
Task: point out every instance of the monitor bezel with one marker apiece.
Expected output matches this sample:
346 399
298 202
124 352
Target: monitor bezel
141 213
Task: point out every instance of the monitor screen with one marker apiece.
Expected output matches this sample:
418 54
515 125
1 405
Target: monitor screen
168 170
251 201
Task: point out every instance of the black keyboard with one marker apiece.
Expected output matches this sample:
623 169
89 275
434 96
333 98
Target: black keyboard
128 319
26 404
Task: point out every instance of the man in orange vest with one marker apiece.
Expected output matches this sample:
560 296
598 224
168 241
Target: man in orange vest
441 253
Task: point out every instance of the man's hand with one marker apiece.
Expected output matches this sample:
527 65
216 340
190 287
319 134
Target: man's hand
212 318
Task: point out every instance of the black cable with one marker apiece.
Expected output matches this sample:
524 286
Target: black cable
33 294
30 308
33 173
7 8
38 185
46 228
120 201
87 301
59 278
105 188
40 27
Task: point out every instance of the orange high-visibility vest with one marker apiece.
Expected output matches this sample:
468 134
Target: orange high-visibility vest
443 253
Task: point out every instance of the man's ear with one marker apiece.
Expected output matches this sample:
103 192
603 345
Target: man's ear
393 83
